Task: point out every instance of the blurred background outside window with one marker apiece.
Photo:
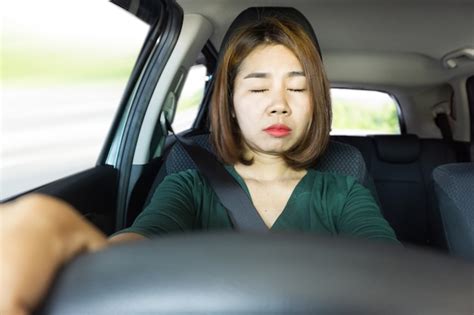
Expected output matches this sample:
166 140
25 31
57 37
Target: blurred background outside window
64 67
190 98
363 112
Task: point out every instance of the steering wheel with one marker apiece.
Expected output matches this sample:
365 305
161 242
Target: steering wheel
230 273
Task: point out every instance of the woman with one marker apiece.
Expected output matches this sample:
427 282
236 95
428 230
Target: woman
270 121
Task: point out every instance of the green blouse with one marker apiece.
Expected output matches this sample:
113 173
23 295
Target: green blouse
321 202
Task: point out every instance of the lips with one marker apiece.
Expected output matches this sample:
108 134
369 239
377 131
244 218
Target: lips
278 130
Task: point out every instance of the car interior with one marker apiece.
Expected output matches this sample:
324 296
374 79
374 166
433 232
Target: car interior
364 46
419 52
398 166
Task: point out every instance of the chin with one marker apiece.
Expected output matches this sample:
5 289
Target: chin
274 150
274 146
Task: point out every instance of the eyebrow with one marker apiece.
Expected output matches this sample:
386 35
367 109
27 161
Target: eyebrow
258 75
264 75
296 74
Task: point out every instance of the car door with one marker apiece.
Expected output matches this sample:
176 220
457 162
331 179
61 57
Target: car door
101 192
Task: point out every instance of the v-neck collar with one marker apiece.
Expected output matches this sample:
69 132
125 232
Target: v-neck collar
293 195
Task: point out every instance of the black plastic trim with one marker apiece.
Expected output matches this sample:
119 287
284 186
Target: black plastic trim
168 29
201 122
145 11
92 192
470 100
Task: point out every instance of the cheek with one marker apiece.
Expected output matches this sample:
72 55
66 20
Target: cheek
247 119
303 105
242 113
303 115
248 107
239 109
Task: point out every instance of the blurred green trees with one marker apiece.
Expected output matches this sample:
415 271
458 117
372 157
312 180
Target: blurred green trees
365 117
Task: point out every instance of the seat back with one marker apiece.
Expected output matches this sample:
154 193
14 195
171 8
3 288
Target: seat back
454 187
339 158
399 180
401 166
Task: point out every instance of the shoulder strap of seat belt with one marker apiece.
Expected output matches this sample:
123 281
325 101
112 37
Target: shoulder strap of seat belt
442 122
241 211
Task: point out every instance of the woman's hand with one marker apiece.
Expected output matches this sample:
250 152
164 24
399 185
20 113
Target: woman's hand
37 235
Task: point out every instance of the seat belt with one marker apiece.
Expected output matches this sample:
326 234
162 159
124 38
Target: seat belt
242 212
442 122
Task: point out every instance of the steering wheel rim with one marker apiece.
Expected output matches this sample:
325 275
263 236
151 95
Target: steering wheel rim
279 273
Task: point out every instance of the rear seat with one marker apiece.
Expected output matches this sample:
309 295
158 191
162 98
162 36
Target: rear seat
401 168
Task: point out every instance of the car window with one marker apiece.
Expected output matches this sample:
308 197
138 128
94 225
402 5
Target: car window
364 112
190 97
62 80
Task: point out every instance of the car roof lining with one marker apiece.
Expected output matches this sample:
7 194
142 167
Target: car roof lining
359 36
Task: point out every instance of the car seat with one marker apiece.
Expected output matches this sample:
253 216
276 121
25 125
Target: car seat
454 188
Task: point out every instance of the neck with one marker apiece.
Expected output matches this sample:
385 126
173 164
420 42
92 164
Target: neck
268 168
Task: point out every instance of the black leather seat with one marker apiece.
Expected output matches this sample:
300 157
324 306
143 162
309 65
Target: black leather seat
454 187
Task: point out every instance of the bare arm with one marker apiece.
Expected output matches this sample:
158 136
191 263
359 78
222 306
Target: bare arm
37 235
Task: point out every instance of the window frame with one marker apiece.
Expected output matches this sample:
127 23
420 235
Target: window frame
202 121
123 136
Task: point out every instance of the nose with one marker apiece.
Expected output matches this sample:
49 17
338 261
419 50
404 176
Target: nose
279 103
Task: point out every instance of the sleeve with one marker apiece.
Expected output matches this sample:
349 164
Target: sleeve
172 207
361 217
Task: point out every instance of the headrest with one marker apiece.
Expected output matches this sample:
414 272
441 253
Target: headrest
397 149
253 14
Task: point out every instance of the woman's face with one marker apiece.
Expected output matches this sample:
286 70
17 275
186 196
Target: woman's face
272 103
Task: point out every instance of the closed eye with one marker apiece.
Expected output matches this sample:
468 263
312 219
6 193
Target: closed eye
296 90
258 91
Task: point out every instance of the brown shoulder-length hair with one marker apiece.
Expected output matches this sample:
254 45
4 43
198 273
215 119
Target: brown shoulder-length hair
226 136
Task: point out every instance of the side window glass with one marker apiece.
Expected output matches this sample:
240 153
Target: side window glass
65 66
191 97
364 112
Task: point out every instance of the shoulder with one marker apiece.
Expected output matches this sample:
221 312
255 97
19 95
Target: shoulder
333 189
184 183
189 177
332 181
